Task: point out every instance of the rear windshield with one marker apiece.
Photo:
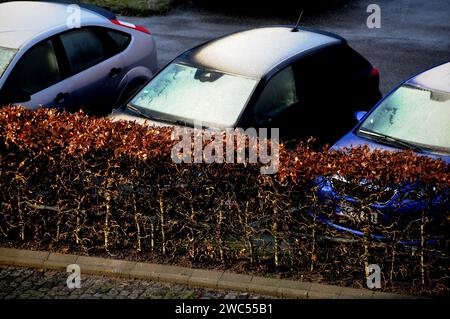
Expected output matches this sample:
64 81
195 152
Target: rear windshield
6 55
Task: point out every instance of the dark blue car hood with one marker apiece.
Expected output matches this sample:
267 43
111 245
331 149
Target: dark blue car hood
351 139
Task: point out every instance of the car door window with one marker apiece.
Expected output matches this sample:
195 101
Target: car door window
328 75
36 70
279 94
85 48
323 82
351 63
318 77
120 40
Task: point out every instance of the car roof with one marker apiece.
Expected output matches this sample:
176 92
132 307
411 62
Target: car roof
21 21
253 53
436 79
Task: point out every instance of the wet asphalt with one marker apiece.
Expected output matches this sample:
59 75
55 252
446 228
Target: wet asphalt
414 34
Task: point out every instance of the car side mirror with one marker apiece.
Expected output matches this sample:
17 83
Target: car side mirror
359 115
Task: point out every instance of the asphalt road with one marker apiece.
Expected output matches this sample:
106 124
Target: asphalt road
414 34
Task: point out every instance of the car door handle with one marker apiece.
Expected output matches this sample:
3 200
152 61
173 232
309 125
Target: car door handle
114 72
61 97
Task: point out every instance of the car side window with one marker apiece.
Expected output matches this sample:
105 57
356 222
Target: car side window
120 40
279 94
322 79
36 70
352 61
84 48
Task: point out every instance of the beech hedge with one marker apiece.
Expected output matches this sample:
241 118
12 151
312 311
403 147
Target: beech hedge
83 184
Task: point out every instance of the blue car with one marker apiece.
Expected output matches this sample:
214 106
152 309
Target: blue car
415 116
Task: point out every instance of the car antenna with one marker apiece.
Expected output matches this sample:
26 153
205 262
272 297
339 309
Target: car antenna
296 28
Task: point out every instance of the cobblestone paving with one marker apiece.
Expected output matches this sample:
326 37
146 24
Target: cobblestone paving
25 283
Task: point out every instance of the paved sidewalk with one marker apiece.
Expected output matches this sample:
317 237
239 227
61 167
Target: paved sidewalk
212 279
27 283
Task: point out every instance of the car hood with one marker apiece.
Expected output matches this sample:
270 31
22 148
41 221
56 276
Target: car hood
351 139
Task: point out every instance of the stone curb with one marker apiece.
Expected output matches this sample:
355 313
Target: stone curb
187 276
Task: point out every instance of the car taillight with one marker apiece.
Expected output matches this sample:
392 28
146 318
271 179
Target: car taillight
131 26
374 72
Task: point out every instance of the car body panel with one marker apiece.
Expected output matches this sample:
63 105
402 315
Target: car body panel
92 85
47 97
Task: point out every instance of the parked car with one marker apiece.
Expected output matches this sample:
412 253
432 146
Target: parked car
45 59
305 82
416 116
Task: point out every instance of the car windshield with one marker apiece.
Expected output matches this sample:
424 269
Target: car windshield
6 55
193 94
417 116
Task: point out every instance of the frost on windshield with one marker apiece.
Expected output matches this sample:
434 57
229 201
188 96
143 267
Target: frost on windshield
6 55
415 115
198 95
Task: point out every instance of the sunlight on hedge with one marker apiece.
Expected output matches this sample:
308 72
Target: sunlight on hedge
75 183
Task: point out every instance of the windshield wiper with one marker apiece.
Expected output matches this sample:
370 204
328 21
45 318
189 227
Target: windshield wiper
152 118
136 110
183 123
155 118
394 141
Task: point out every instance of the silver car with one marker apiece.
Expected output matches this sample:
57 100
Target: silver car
57 54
